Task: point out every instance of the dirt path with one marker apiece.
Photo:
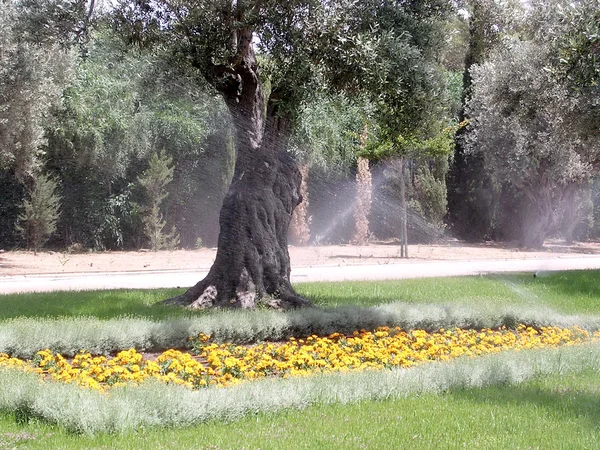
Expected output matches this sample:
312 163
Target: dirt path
26 263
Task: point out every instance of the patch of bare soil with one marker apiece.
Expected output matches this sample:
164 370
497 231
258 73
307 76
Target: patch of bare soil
24 263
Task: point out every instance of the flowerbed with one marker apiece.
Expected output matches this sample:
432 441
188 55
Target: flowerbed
228 364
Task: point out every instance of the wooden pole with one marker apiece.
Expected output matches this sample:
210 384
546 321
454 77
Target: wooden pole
404 227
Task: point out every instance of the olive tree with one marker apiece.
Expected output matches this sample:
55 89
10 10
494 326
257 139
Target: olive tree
527 125
32 75
264 57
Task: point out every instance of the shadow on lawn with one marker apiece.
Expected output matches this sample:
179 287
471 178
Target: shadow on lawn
564 403
102 305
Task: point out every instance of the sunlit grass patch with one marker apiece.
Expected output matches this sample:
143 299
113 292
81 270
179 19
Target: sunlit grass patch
571 292
568 292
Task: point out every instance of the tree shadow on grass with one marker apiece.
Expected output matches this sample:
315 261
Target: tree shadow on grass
99 304
565 403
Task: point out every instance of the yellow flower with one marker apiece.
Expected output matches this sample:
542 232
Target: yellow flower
228 364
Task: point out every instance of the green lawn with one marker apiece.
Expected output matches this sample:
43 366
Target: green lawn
567 292
557 412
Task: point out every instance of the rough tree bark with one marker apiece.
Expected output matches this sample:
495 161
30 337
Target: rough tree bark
252 264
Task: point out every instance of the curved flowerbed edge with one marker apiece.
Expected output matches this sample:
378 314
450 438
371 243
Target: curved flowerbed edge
23 337
156 404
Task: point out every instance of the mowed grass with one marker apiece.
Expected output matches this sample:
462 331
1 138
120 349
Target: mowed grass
556 412
567 292
576 292
559 411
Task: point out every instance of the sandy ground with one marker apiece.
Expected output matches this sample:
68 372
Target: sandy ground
25 263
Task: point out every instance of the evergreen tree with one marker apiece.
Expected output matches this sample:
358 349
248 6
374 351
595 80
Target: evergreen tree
472 190
154 181
40 211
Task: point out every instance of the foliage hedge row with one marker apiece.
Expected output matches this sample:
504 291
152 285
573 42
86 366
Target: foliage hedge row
23 337
156 404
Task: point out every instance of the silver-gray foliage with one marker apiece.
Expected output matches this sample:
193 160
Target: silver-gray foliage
23 337
522 122
529 126
31 79
154 404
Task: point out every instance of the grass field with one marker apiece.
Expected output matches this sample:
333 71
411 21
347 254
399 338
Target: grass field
576 292
558 411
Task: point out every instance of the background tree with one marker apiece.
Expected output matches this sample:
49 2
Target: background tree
416 133
33 70
40 211
364 193
472 191
576 43
118 110
325 142
484 203
154 181
299 232
527 125
414 172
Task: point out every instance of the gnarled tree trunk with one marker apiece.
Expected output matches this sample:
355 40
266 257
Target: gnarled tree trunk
252 264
